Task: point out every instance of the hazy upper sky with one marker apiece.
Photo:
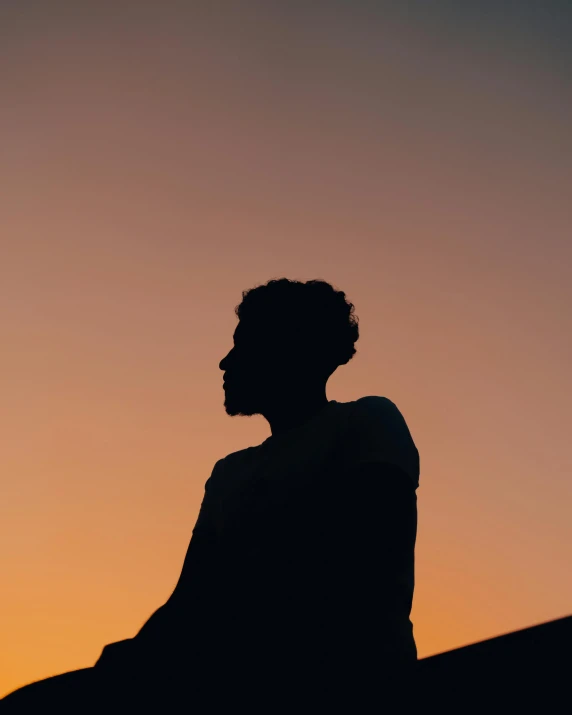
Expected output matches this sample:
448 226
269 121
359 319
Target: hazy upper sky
160 157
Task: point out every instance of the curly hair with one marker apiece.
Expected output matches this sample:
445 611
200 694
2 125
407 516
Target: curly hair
318 315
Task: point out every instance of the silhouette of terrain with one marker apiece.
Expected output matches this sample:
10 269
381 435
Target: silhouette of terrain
523 671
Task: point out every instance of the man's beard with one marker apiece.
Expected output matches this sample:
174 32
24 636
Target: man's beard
236 404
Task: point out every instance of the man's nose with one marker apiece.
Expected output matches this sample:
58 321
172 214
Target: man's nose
223 364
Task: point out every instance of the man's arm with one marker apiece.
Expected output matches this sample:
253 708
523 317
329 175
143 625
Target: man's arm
183 604
361 567
162 621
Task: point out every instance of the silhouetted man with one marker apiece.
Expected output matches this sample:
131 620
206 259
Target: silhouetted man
297 585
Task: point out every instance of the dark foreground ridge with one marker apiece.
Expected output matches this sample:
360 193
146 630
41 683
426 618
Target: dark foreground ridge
515 670
523 671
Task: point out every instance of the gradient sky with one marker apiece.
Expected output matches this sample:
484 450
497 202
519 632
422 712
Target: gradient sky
160 157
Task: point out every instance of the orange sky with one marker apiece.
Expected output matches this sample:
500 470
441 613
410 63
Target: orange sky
156 162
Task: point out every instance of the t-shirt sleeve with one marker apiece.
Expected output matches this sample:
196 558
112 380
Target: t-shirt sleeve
204 523
378 433
203 542
197 572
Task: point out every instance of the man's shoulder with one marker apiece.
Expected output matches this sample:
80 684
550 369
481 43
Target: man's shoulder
232 461
378 432
374 402
239 456
374 412
372 406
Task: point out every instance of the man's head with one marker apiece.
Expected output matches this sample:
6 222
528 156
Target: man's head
290 338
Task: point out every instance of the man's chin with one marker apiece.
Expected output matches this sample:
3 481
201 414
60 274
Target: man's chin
236 407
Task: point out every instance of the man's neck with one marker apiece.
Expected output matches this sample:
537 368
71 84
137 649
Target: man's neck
295 412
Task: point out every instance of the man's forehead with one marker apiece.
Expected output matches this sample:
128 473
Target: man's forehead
254 332
244 331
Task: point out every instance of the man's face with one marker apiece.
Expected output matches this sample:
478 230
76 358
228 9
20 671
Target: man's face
256 370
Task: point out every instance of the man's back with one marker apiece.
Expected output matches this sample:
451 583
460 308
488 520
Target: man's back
302 561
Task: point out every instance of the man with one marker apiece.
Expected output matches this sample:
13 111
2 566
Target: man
298 581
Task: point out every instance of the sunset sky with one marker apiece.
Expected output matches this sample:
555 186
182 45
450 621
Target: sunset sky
158 158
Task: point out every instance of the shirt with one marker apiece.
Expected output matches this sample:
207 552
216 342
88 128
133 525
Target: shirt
292 567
